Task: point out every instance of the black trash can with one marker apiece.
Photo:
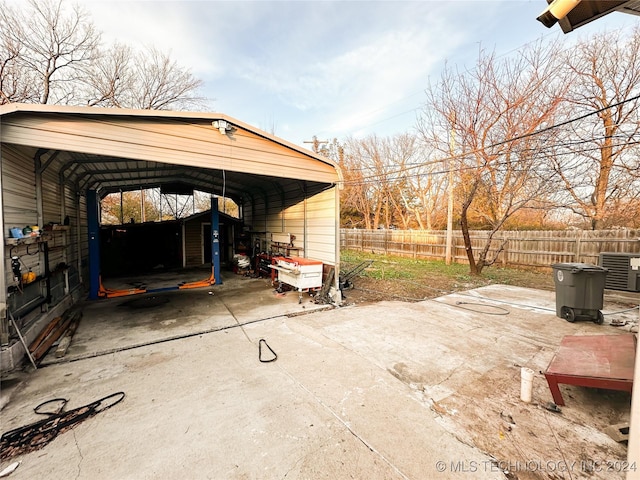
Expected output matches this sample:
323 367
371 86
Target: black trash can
579 291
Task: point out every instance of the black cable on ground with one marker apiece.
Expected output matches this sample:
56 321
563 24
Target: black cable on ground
506 301
262 360
503 311
36 435
162 340
621 311
180 337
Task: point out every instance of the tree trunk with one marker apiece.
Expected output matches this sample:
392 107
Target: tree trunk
606 164
464 226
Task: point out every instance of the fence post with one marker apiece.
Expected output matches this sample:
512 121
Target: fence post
539 247
505 250
578 245
414 244
386 242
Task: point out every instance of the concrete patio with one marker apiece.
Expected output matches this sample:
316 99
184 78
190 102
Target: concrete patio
389 390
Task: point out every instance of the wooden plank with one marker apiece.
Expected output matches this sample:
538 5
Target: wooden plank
50 340
61 351
43 334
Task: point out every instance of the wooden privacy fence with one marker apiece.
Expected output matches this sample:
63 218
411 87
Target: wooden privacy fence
521 248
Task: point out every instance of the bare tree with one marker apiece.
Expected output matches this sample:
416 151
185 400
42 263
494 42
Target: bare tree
161 84
202 203
596 160
149 79
109 80
361 195
51 53
493 112
17 83
52 43
388 183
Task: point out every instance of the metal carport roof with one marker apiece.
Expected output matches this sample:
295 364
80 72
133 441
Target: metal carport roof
110 150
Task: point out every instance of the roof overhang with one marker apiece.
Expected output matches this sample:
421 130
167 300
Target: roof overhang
113 150
582 12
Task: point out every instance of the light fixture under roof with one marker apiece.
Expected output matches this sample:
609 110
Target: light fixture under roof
222 125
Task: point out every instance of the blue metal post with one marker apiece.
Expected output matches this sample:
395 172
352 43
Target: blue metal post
94 243
215 241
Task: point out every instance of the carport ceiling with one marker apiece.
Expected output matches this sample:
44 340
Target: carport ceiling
108 175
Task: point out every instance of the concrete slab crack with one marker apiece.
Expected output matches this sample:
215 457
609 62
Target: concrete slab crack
79 452
345 424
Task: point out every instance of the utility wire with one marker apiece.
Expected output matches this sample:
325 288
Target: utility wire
565 144
567 122
503 142
374 179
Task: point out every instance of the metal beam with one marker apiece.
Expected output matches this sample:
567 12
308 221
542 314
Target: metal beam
93 224
215 241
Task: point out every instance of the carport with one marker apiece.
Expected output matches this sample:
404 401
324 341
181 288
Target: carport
58 162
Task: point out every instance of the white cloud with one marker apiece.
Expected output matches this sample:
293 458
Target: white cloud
318 67
355 87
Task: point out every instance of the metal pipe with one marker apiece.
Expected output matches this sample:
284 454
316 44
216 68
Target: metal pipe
24 344
4 324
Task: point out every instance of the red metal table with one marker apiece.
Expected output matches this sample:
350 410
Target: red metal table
597 361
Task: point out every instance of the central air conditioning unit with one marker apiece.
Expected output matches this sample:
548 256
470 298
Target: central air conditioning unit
624 271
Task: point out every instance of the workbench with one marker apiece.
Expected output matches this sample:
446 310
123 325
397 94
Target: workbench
303 274
596 361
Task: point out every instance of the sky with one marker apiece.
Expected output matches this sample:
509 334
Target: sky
332 69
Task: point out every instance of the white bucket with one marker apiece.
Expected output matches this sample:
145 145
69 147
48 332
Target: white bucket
526 384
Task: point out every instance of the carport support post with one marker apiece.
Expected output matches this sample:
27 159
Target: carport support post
94 243
215 240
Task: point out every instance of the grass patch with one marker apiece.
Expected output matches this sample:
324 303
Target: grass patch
387 268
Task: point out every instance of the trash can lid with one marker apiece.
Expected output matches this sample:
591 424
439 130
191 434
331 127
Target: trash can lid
587 267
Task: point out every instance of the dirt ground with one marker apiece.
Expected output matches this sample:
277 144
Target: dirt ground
367 290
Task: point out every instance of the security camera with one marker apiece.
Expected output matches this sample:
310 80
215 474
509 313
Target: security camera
557 10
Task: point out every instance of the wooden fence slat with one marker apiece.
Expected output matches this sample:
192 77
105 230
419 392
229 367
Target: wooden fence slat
522 248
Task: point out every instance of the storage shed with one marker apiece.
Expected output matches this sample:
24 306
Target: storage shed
58 162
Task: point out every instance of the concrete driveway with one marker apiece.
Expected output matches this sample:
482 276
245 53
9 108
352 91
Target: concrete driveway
390 390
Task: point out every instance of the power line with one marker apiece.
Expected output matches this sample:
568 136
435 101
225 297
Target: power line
503 142
567 122
372 179
566 144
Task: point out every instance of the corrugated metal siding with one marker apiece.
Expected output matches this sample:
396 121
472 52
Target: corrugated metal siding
273 212
322 231
319 239
293 213
19 202
51 197
18 187
70 210
83 239
193 242
255 215
174 142
20 209
51 209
